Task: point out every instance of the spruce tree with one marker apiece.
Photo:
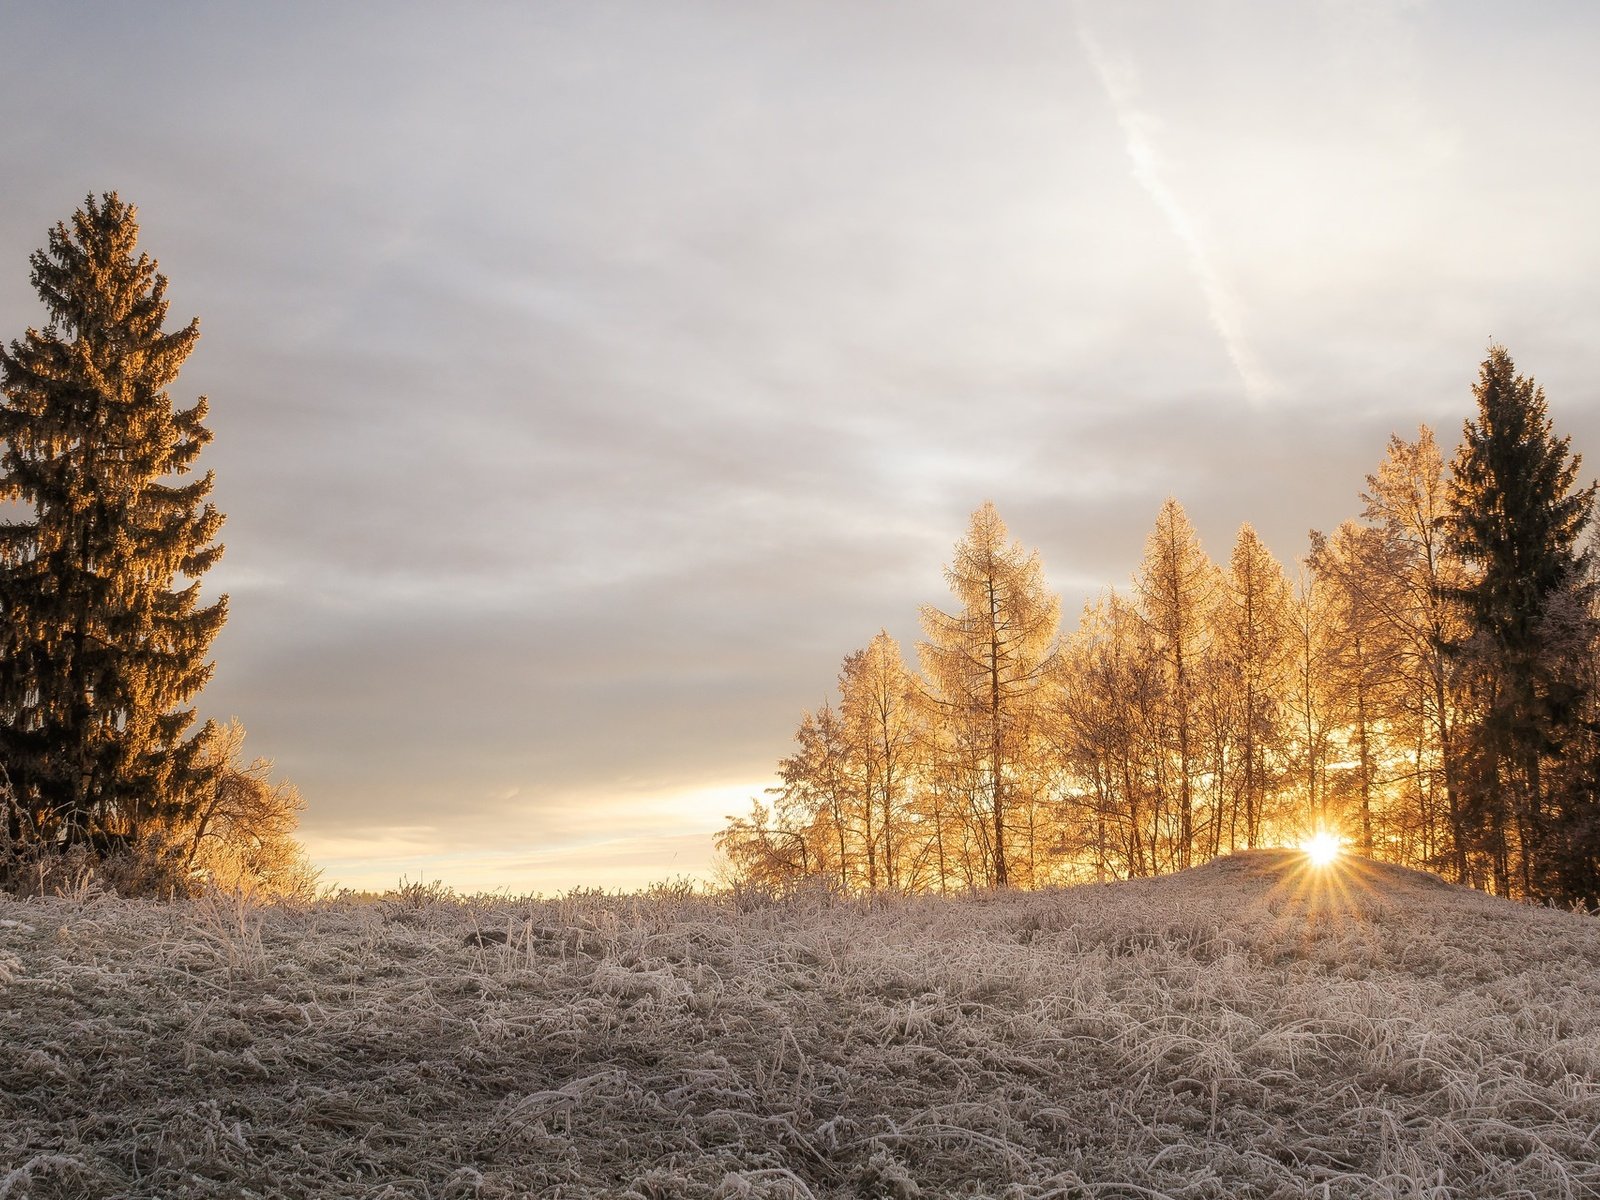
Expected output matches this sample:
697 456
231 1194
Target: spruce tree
1517 519
103 634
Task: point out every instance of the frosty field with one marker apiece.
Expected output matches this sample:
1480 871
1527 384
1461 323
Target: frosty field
1248 1028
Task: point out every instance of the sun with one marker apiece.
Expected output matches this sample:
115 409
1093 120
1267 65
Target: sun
1322 848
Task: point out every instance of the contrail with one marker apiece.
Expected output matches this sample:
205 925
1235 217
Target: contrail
1138 129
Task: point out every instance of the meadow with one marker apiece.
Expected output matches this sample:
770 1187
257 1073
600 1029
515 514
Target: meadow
1250 1028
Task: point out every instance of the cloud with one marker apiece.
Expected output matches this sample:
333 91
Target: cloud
1141 131
587 381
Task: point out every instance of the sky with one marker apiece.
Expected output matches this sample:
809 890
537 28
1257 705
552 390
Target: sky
589 379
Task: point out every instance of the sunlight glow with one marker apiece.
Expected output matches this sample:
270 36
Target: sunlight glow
1322 848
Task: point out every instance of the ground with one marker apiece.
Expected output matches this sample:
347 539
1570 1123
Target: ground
1248 1028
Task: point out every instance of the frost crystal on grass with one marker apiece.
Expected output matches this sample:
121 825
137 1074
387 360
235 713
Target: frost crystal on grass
1250 1028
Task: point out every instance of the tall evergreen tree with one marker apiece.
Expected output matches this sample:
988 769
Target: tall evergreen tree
103 635
1517 518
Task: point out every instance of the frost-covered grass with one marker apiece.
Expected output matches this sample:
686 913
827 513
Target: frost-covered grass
1241 1030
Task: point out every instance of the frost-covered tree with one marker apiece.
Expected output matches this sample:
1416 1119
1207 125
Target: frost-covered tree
821 795
812 826
764 850
1177 585
1517 516
1407 502
1253 629
239 835
103 632
1107 736
1311 646
878 706
988 665
1360 572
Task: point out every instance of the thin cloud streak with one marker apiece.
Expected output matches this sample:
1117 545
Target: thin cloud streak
1119 81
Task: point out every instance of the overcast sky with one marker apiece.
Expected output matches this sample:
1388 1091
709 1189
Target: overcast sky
589 378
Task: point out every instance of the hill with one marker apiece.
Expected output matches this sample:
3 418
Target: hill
1249 1028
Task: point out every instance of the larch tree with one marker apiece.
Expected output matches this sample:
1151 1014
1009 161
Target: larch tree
1311 646
1106 734
1253 650
104 635
1177 584
877 704
1518 516
1360 572
988 665
1407 499
948 802
820 795
764 849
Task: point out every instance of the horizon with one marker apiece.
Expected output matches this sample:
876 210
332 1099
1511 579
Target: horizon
587 383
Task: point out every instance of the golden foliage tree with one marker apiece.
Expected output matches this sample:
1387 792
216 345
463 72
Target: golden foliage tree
1254 630
1407 499
1420 690
1176 585
877 704
987 665
1112 703
241 833
1359 573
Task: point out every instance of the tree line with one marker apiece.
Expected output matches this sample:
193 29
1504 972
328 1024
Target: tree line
1422 685
104 632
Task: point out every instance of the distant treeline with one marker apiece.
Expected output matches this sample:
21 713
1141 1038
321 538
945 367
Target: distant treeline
1425 686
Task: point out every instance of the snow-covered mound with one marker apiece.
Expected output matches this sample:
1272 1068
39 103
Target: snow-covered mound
1253 1027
